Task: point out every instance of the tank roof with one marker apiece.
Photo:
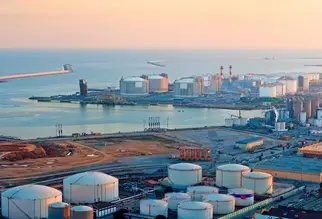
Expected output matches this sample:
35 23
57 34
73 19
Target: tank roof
294 164
153 202
218 197
177 195
155 77
58 205
185 166
195 205
288 78
202 189
133 78
240 191
233 167
90 178
81 208
32 192
257 175
186 80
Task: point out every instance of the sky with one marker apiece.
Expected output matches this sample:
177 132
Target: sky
161 24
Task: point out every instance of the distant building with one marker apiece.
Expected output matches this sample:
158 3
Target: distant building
83 87
293 168
303 83
189 86
250 143
307 105
297 109
314 106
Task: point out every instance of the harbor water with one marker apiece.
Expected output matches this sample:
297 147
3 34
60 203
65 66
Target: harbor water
104 68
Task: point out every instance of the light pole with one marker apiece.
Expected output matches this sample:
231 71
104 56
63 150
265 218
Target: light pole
167 122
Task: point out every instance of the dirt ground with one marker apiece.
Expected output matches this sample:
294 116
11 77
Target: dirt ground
85 153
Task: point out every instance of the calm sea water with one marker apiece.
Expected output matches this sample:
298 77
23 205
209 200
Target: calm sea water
102 68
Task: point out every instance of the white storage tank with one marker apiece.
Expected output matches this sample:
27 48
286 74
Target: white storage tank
290 84
58 210
318 122
278 126
303 117
90 187
152 207
189 86
243 197
243 121
195 210
223 204
280 89
268 90
283 125
184 174
319 113
236 121
134 86
158 83
175 198
28 201
82 212
197 192
260 183
229 122
229 175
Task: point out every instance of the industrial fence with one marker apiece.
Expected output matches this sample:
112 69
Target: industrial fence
262 204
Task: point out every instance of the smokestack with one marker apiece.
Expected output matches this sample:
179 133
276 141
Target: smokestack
230 73
221 72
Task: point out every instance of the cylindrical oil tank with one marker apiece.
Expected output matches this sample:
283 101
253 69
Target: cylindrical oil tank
243 197
90 187
229 122
58 210
194 210
318 122
175 198
267 91
315 105
319 113
303 117
197 192
28 201
223 204
152 207
134 86
158 83
290 84
189 86
236 121
184 174
82 212
307 105
229 175
243 121
278 126
282 125
260 183
280 89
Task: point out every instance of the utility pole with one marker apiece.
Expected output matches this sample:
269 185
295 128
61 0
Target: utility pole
167 122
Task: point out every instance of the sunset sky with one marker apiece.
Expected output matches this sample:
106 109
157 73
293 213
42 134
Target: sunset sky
161 24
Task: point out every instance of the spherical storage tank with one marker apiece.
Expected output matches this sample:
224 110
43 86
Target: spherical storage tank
28 201
90 187
175 198
194 210
184 174
243 197
82 212
223 204
197 192
152 207
158 83
260 183
134 86
58 210
229 175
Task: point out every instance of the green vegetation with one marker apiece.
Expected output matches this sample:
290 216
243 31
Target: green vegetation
269 99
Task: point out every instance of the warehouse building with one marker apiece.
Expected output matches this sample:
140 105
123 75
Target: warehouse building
293 168
249 143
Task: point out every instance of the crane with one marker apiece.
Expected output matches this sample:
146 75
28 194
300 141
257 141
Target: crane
239 115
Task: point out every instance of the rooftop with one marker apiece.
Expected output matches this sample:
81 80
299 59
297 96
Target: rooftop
249 140
294 164
293 213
